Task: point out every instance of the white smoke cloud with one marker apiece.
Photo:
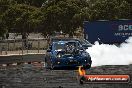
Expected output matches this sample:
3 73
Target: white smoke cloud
105 54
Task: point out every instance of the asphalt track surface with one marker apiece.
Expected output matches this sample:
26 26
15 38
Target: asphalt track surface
21 58
29 76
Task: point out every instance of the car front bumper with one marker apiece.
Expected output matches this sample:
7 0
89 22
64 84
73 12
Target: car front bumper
72 63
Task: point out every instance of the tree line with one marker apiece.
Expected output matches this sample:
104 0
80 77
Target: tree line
47 16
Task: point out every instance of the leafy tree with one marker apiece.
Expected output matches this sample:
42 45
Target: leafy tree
108 10
61 15
22 18
4 5
3 30
47 16
37 3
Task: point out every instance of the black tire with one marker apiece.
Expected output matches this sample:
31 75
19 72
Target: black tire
47 64
51 66
88 66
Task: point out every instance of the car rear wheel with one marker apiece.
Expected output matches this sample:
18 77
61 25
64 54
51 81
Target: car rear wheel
88 66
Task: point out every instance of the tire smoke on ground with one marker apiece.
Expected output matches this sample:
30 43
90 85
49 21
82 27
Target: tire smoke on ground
105 54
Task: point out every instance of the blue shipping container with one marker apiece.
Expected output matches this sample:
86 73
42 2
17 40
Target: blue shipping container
108 32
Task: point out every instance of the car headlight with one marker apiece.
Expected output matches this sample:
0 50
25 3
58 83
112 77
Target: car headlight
59 55
85 54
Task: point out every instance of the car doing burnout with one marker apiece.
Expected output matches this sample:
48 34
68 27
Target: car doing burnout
67 54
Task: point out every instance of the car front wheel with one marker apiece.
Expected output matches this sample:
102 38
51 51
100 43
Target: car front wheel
47 63
51 66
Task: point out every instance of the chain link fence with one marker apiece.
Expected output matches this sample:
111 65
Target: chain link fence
23 46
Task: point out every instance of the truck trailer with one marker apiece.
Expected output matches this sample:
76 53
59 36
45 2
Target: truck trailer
108 32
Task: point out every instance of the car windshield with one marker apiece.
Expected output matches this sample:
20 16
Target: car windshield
65 46
85 41
58 46
79 41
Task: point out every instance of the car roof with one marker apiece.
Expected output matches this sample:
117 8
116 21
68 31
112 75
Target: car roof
62 39
63 42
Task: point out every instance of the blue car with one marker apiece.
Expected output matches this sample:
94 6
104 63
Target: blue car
67 54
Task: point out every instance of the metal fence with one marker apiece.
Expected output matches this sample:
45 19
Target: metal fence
23 46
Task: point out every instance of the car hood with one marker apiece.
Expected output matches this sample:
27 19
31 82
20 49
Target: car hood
80 54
